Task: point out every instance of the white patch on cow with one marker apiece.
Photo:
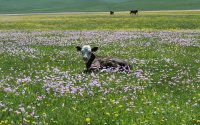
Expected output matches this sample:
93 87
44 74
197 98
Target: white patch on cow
86 52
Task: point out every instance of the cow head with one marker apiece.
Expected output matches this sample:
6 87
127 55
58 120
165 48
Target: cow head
86 51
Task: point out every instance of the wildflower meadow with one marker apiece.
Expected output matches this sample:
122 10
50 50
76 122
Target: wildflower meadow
42 80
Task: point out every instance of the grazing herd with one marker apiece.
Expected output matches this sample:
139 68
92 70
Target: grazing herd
132 12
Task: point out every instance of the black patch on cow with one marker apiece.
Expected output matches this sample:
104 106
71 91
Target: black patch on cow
78 48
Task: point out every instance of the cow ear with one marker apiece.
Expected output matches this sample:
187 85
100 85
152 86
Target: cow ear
94 49
78 48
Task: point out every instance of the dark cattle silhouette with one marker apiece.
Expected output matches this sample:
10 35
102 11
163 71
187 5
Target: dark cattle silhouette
133 12
111 12
96 63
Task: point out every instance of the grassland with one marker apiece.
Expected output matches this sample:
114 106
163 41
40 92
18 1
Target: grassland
170 20
41 78
32 6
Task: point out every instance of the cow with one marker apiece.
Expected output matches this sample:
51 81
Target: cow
96 63
133 12
111 12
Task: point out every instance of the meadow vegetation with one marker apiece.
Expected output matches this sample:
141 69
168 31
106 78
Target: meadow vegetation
48 6
172 20
42 80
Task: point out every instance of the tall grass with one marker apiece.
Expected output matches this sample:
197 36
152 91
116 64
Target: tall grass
41 78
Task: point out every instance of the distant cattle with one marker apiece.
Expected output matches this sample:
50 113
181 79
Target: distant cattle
133 12
111 12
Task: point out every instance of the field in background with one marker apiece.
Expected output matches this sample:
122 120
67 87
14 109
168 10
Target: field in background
147 20
48 6
41 78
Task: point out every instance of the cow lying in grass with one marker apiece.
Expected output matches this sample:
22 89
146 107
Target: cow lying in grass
95 63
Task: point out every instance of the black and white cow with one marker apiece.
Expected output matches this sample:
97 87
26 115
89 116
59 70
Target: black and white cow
111 12
95 63
133 12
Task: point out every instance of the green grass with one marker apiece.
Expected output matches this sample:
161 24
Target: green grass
166 20
41 78
169 93
45 6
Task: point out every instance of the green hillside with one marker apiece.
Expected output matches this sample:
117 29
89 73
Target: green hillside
42 6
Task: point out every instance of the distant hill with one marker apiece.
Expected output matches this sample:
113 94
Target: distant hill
43 6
